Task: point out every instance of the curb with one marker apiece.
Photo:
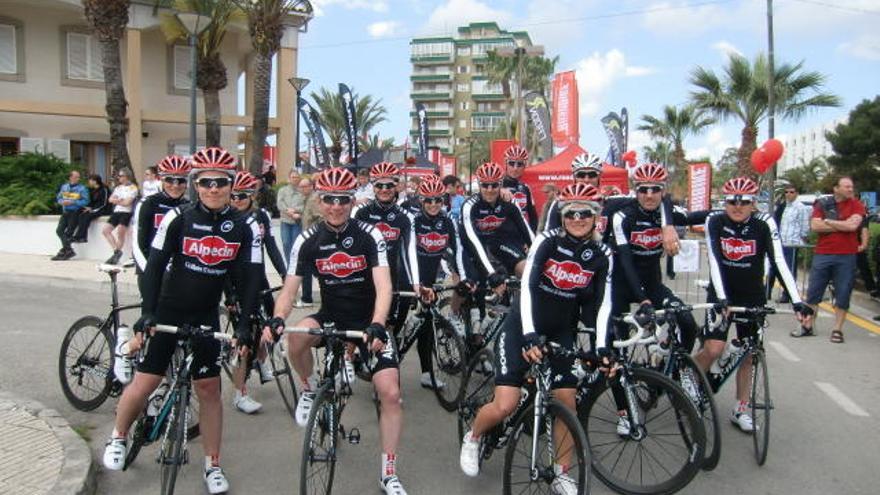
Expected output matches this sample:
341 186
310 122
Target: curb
78 473
125 288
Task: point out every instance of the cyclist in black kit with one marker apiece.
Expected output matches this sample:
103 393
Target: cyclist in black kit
243 189
205 243
494 229
564 267
738 239
517 158
349 257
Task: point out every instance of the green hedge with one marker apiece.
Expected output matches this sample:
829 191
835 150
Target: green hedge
29 183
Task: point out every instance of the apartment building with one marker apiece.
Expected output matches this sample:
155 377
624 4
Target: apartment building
803 146
449 78
52 89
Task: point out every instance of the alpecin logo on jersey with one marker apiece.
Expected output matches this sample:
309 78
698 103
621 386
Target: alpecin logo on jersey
489 223
341 264
210 250
388 232
433 242
736 249
519 199
567 275
647 239
157 219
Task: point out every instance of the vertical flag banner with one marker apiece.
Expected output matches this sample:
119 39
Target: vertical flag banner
565 110
539 114
310 118
624 127
614 130
699 186
350 123
422 114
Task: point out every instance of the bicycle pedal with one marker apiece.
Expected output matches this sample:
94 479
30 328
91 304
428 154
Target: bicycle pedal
354 436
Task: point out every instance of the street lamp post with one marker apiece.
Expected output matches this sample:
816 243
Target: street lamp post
194 25
299 84
771 100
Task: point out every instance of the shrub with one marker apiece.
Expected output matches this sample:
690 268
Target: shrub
29 183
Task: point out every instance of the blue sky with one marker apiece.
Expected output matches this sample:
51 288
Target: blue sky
629 53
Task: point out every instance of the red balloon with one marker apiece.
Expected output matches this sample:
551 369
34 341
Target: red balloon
759 160
773 150
629 157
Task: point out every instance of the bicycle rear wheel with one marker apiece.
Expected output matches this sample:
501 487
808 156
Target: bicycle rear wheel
761 406
561 442
447 363
318 463
284 375
478 389
173 454
227 326
695 384
662 453
85 363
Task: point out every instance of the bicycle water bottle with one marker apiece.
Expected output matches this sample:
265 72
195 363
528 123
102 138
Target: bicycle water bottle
475 321
122 364
154 403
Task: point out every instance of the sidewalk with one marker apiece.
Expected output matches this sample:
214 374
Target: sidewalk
40 453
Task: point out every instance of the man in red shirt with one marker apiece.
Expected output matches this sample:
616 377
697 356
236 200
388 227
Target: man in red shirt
837 220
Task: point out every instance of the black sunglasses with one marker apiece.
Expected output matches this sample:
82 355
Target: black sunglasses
432 201
516 164
384 185
585 174
174 181
490 185
212 182
649 189
240 196
790 192
331 199
578 214
737 202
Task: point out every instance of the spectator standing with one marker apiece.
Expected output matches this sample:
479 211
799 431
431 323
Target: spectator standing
72 197
550 191
99 194
290 206
862 258
122 199
456 199
311 215
364 191
837 219
151 184
794 226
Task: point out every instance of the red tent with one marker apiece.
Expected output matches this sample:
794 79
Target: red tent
557 170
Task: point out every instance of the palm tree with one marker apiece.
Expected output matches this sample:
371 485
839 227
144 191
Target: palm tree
211 76
375 141
536 72
741 92
674 126
658 152
108 19
368 114
807 177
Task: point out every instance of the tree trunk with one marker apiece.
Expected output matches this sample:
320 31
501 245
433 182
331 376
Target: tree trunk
262 76
116 106
747 145
211 98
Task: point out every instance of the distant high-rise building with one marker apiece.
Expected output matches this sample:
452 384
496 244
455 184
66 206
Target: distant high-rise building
449 77
803 146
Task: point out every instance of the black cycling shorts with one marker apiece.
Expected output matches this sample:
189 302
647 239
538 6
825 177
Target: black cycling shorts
509 256
511 367
160 347
118 218
386 358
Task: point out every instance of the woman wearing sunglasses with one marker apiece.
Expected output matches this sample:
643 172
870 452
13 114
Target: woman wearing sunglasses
516 158
244 187
565 267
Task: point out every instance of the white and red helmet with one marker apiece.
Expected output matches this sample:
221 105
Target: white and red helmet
586 162
173 165
650 173
490 172
213 159
743 187
336 180
580 196
432 187
244 182
384 170
516 153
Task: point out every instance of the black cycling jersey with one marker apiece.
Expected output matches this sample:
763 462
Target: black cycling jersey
521 196
489 229
261 216
343 261
435 237
410 204
736 258
148 214
396 226
204 248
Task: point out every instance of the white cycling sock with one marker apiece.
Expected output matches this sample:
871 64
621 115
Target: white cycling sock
389 465
211 461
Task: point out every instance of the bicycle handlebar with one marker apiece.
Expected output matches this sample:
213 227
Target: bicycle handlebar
188 331
320 332
641 336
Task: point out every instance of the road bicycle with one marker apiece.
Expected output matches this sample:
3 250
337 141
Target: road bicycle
481 315
644 433
540 432
85 363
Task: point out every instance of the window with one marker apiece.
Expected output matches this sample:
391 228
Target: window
486 123
182 65
464 105
462 123
84 61
463 88
463 69
480 49
8 50
432 49
464 51
483 87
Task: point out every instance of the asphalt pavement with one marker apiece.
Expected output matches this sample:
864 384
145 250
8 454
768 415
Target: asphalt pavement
823 439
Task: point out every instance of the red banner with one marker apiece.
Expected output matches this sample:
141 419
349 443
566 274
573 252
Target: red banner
499 146
565 110
699 187
447 165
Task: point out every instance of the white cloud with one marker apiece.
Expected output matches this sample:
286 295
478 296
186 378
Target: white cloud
713 145
373 5
545 22
383 29
678 19
726 49
866 46
597 73
454 13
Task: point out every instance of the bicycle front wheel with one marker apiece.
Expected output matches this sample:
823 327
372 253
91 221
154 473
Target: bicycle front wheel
284 375
85 363
172 454
560 463
447 364
319 444
761 406
659 453
477 390
227 326
695 384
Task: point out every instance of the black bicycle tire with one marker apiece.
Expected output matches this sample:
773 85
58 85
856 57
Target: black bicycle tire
176 429
324 397
713 444
229 329
684 410
76 401
447 397
761 435
284 376
522 423
464 399
136 441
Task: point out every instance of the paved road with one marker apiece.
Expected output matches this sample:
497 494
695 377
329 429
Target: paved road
817 446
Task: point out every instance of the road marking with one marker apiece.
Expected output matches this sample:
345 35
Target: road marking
855 320
785 352
841 399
